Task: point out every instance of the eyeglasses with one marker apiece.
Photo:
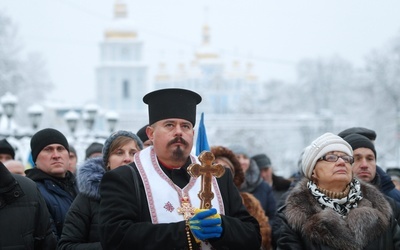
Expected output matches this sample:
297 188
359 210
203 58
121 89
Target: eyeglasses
334 158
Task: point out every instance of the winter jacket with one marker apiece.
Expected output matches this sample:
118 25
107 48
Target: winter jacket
81 229
25 222
57 192
306 225
380 180
255 185
279 186
386 185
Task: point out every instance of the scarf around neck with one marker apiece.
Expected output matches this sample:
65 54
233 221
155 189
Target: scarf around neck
341 206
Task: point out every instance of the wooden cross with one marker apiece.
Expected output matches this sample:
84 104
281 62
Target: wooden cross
206 170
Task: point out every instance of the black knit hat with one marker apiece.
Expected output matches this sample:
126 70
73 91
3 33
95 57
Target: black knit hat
262 161
6 148
46 137
172 103
115 135
360 141
142 133
94 147
370 134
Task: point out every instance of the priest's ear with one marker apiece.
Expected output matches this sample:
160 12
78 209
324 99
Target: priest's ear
149 132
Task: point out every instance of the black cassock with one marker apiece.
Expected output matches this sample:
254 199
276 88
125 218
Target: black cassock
125 221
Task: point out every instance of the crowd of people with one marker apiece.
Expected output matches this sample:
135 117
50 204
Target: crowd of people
138 190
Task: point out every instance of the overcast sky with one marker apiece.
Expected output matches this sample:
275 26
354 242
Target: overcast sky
274 35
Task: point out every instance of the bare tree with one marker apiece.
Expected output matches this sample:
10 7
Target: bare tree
383 77
10 48
25 78
326 84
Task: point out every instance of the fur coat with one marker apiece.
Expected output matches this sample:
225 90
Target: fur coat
306 225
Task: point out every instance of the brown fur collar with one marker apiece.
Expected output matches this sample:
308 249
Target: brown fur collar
326 227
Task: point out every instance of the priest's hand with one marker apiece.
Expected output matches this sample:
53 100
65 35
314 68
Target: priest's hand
206 224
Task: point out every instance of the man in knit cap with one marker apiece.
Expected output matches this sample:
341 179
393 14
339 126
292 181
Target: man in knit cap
364 166
385 183
279 184
364 152
7 152
50 153
254 183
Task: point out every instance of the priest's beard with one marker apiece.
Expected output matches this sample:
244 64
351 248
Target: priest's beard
178 155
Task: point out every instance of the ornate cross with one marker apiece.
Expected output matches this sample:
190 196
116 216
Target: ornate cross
206 170
186 208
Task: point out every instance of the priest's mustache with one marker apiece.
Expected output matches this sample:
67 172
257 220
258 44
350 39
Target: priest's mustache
178 140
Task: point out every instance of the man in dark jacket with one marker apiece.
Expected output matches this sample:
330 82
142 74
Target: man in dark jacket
364 166
385 184
279 184
50 153
25 222
152 204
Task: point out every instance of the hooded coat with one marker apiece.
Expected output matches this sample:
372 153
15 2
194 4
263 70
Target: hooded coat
255 185
81 226
306 225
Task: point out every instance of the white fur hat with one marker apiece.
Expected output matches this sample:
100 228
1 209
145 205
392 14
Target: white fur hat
319 147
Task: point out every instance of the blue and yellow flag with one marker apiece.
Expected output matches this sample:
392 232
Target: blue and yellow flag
202 142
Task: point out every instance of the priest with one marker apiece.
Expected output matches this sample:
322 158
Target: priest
153 203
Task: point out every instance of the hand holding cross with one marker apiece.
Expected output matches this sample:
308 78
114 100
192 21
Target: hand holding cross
206 170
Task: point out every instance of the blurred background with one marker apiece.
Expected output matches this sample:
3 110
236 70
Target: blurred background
273 75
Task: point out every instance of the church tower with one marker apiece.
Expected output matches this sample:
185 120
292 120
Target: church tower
121 76
221 87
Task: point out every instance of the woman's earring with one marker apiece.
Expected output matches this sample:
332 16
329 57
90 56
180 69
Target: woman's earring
108 167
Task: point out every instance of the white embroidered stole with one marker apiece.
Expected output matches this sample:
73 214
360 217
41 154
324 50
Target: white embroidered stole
163 196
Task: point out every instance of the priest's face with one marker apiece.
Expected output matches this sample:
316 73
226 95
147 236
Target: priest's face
172 140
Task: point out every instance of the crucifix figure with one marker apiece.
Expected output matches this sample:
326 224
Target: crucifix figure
206 170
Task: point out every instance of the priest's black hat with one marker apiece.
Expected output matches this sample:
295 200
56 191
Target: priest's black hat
172 103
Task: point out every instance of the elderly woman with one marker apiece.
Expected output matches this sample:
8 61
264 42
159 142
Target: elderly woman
329 209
